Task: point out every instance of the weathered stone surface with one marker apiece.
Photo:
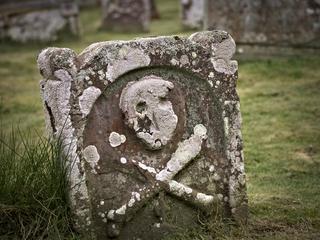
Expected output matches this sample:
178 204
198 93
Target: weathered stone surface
126 15
192 13
24 21
279 22
152 129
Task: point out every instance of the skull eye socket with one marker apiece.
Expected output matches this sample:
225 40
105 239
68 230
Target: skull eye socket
141 106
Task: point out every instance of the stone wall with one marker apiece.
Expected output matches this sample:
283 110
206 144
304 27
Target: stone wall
271 22
151 128
126 15
37 21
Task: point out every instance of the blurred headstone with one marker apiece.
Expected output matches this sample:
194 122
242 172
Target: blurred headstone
192 13
88 3
33 20
126 15
271 22
152 131
154 10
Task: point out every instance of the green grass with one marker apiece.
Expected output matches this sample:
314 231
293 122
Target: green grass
33 188
280 107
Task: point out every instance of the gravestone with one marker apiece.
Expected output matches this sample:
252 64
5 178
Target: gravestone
271 22
151 128
154 10
88 3
192 13
32 20
126 15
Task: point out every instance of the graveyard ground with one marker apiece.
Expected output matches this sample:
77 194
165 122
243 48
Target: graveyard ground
280 107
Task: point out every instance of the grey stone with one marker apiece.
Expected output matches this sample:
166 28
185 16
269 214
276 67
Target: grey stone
152 131
192 13
37 21
268 22
126 15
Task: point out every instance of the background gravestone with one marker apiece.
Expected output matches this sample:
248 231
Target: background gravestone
126 15
152 132
280 22
32 20
192 13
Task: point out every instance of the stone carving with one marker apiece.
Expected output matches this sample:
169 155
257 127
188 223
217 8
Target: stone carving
126 15
148 111
163 179
152 131
279 22
192 12
33 20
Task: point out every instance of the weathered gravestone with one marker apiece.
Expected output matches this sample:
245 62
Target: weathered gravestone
88 3
126 15
154 10
192 13
152 131
275 22
29 20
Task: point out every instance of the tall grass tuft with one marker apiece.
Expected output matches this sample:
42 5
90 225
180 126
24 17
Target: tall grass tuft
33 188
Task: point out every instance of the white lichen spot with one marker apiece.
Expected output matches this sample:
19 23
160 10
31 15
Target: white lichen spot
121 210
157 225
218 82
194 54
204 199
102 215
87 99
223 66
200 130
216 177
110 214
123 160
179 189
145 167
184 60
136 195
210 83
211 75
220 196
131 202
211 168
115 139
128 59
101 202
174 62
91 155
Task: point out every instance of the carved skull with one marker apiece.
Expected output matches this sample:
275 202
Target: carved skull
148 111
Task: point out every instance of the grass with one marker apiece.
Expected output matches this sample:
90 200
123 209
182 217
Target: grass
280 108
33 188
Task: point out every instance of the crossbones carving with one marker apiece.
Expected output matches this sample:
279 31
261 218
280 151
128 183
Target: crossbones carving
163 180
150 114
